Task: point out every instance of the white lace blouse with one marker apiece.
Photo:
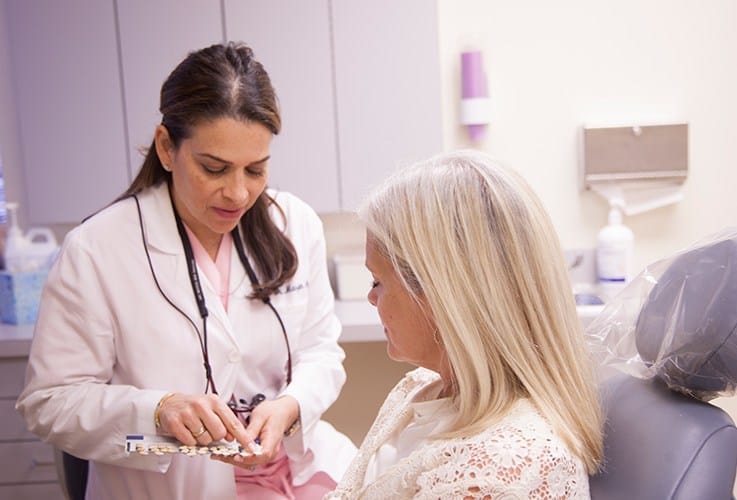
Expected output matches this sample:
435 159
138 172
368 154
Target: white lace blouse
519 457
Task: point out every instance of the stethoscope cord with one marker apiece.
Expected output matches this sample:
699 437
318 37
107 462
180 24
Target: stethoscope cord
199 295
266 300
203 344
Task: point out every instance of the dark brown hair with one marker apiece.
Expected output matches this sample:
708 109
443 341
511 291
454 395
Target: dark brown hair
225 81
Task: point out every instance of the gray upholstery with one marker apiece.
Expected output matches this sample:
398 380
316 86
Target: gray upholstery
662 439
660 444
686 326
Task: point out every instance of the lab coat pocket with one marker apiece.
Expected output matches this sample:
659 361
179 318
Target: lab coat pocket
292 308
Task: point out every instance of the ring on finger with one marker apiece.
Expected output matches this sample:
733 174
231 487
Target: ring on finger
199 432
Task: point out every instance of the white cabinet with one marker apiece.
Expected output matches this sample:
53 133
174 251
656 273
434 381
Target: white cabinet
292 40
154 38
358 84
69 102
387 71
27 466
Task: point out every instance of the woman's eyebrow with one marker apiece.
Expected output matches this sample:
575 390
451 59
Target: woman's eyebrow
227 162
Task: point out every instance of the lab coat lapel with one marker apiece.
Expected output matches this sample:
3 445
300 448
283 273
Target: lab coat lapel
167 256
217 313
241 287
166 251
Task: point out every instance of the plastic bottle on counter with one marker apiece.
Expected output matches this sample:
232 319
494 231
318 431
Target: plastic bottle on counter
26 252
614 249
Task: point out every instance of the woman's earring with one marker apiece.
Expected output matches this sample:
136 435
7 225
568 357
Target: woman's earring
435 336
166 167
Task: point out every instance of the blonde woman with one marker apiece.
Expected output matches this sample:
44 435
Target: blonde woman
471 287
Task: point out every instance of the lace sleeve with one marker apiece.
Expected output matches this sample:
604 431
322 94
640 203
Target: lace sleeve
515 461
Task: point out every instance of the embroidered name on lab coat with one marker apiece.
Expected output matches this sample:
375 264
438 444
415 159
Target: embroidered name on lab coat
294 287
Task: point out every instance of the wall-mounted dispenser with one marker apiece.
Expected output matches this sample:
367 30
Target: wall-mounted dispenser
645 166
475 102
635 169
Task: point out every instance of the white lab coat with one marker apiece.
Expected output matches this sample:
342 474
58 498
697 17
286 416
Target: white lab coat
107 346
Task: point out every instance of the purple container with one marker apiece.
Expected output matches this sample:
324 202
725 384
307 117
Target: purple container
473 84
473 80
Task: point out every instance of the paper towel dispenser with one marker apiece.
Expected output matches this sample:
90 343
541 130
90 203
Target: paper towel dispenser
635 153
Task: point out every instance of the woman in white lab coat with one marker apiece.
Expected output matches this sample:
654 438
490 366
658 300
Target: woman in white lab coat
193 295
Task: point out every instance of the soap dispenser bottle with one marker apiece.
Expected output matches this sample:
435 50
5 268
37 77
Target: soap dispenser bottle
16 244
614 249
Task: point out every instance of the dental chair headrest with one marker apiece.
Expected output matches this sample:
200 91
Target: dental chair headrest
686 326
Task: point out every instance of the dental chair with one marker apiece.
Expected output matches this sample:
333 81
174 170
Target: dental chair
663 440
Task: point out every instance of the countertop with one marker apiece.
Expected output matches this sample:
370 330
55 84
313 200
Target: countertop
361 321
359 318
15 340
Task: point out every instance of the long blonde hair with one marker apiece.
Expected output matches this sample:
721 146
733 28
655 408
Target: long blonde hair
472 238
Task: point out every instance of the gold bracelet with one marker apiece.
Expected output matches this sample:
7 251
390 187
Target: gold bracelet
161 402
293 428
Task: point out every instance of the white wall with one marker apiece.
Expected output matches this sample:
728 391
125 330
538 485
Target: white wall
554 66
9 141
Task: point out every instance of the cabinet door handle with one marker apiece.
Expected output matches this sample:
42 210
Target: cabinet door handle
41 463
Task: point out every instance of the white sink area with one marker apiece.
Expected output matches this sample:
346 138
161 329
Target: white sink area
361 321
588 313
